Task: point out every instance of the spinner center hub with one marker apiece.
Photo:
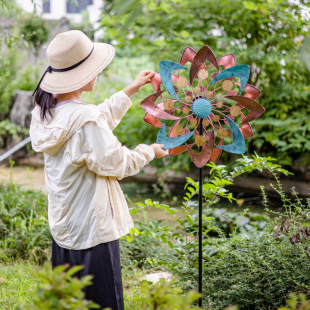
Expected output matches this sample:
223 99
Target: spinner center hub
202 107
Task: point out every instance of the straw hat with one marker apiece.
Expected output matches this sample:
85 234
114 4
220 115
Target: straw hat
74 61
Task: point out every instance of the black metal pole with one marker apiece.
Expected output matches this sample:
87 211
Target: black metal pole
200 222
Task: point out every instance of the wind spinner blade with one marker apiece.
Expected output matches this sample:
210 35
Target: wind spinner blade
238 145
205 53
170 143
165 69
240 71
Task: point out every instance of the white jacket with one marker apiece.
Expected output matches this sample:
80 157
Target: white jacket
83 163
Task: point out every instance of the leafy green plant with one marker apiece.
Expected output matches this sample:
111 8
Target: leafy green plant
251 267
138 249
213 190
165 296
9 129
229 222
297 302
24 230
251 271
59 289
34 30
14 74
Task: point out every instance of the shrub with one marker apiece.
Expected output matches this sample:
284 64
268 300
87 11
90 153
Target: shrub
141 251
9 129
34 30
61 290
165 296
24 230
256 273
14 74
252 268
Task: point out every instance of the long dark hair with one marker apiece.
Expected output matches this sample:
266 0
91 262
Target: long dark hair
46 101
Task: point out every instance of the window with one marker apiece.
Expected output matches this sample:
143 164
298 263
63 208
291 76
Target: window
78 5
46 6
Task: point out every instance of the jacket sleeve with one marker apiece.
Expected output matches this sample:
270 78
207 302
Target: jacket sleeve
96 144
114 108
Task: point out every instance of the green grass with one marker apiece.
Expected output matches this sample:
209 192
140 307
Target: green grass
18 284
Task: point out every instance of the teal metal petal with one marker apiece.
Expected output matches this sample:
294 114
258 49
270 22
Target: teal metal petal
240 71
170 143
238 145
165 69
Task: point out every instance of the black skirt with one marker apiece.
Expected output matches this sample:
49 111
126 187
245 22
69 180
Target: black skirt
103 263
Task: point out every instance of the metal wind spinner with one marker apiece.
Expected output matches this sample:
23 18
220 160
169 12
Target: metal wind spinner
200 111
215 107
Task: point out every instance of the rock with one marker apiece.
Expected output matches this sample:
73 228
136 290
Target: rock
155 277
22 107
36 160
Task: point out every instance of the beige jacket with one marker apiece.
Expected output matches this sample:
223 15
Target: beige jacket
83 163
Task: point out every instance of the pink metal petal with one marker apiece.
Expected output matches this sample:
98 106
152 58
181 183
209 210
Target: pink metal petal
204 54
254 107
231 93
152 120
246 129
188 55
148 104
217 152
156 80
179 149
227 61
200 159
251 91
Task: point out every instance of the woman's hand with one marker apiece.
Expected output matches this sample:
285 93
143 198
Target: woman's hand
158 149
142 78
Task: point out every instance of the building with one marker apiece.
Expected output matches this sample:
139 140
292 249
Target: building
56 9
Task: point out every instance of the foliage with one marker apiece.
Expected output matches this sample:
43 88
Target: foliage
61 290
24 230
8 8
182 239
247 268
9 129
251 267
263 34
304 52
226 221
9 66
34 30
141 251
165 296
249 271
297 302
14 74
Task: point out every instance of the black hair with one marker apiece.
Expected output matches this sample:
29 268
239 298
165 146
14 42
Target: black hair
46 101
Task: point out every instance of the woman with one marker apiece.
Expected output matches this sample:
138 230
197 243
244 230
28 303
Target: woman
87 211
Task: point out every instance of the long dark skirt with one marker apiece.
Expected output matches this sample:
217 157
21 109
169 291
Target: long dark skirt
103 262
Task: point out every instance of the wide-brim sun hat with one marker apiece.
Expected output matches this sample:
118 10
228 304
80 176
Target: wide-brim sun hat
74 61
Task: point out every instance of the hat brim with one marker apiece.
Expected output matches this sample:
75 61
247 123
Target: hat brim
68 81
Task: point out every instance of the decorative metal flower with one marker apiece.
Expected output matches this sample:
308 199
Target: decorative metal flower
200 111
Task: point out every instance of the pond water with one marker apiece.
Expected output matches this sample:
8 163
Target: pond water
33 178
139 193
